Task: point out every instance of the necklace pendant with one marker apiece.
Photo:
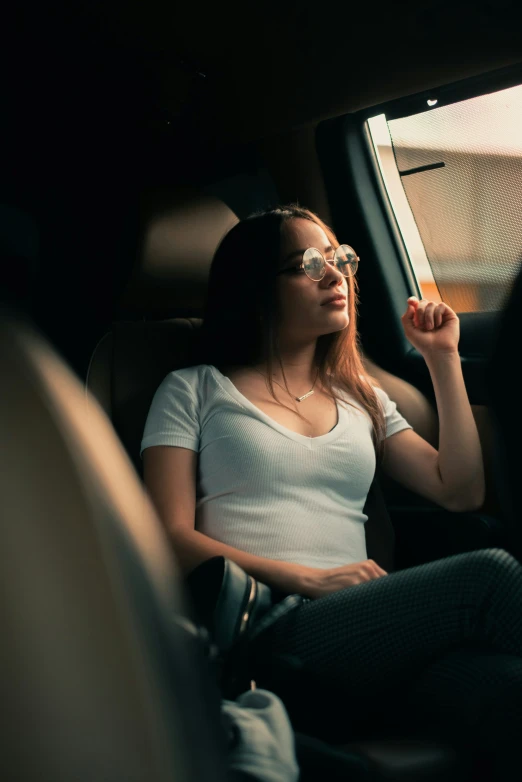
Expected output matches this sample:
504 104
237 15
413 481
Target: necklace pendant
300 398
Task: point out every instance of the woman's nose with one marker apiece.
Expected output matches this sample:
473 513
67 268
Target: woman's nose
333 273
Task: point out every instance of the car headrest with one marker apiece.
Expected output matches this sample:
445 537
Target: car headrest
181 232
97 675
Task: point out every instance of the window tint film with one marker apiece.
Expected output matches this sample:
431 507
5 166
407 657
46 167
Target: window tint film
454 178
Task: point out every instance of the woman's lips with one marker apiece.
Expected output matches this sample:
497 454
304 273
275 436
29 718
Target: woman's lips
335 303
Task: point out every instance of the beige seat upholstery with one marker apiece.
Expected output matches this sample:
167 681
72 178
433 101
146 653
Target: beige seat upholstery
98 680
131 360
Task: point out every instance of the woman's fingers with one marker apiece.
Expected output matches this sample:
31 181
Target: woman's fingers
439 311
424 313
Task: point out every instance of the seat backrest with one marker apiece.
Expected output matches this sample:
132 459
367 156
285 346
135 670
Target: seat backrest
127 366
503 383
98 675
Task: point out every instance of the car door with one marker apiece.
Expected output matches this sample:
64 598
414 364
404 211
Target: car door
427 190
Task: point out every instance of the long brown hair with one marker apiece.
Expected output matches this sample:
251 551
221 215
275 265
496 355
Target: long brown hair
240 318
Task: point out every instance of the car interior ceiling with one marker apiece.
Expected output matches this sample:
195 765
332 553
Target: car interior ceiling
134 137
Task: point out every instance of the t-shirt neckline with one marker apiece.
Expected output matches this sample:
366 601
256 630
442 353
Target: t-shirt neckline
228 386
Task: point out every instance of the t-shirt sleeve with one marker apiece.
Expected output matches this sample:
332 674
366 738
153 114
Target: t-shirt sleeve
395 422
173 415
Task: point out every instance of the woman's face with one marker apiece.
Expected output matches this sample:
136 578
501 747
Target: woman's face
303 313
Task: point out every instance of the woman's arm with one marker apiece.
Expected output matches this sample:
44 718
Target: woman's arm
453 476
460 455
194 547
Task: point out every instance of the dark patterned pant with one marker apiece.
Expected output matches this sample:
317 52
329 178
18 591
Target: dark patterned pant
434 650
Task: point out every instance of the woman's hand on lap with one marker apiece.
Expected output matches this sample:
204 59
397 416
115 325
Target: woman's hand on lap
316 582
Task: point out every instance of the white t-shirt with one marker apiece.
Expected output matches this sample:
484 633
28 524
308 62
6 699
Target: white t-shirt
261 487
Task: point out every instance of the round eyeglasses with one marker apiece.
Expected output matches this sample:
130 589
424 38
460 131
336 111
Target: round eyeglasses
314 263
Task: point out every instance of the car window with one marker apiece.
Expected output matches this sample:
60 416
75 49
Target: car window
452 174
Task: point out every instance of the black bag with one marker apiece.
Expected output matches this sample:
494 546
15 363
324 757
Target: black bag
235 609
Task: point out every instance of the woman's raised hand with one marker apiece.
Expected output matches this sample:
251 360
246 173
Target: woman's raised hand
431 327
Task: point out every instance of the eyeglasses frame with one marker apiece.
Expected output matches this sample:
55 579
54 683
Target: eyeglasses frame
332 263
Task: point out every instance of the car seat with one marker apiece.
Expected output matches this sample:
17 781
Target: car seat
100 679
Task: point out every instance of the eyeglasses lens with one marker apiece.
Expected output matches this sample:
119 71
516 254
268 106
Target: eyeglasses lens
345 259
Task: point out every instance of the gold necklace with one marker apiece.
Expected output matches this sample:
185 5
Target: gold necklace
297 398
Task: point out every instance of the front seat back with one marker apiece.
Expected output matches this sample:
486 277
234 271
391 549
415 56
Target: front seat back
98 675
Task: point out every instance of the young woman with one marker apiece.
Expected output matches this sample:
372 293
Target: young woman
264 451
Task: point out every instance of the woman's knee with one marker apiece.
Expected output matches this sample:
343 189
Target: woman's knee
493 557
487 560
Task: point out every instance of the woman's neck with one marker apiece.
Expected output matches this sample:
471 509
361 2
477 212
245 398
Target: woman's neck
298 361
299 371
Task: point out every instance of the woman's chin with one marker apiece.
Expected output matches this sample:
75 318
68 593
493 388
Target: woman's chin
337 324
